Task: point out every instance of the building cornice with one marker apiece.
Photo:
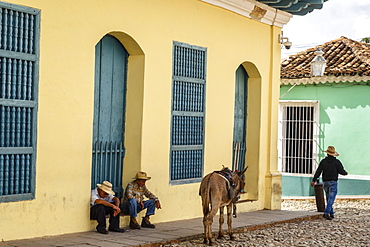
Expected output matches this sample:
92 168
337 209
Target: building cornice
254 10
326 79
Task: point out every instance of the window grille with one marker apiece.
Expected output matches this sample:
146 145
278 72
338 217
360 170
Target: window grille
187 129
298 137
19 39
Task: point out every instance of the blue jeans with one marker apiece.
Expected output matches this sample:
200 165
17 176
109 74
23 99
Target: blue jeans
132 207
331 189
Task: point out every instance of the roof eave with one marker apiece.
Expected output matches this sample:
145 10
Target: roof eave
326 79
254 10
295 7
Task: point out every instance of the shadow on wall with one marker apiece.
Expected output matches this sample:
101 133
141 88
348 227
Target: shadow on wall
342 106
347 96
342 111
341 124
331 96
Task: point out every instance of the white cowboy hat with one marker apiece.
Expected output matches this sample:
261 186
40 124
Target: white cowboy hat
106 187
331 151
142 175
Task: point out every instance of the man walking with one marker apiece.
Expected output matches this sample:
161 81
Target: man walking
330 167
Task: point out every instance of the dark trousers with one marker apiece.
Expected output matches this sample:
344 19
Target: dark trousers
98 212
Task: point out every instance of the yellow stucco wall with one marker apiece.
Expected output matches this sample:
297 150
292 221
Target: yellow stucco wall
69 32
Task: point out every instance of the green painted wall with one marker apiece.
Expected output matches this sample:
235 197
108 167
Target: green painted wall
353 187
344 121
297 186
300 186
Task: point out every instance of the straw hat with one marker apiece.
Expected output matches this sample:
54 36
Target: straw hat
331 151
106 187
142 175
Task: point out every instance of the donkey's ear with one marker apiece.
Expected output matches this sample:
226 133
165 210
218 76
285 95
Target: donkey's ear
242 171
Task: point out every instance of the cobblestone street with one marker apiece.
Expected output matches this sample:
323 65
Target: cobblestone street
350 227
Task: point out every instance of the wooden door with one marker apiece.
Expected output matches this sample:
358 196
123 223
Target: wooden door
109 113
240 118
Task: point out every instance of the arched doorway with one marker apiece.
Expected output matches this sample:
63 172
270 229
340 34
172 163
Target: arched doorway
247 125
109 112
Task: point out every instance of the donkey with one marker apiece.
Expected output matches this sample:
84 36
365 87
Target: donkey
217 192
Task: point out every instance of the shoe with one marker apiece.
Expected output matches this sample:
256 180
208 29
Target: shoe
332 216
326 216
134 224
146 223
103 231
117 230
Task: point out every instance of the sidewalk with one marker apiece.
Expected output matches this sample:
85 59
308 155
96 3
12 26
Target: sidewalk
166 233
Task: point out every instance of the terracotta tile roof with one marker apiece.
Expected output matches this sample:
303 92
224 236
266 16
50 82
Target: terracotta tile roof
344 57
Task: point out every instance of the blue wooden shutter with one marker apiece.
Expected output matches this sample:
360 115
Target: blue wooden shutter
240 118
19 57
188 111
109 113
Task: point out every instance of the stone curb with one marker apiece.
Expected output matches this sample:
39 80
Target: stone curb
235 230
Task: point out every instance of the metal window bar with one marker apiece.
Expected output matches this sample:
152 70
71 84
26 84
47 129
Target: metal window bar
187 130
108 153
298 139
239 151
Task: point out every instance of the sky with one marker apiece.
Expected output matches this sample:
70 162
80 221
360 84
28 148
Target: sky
349 18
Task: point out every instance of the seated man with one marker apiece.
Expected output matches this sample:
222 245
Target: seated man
104 202
133 201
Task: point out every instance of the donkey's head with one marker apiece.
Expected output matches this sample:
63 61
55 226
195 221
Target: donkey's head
239 180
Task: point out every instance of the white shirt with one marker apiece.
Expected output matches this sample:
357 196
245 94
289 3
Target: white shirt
95 195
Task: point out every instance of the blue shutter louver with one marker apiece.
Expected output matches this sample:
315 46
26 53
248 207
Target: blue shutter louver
19 37
188 111
17 31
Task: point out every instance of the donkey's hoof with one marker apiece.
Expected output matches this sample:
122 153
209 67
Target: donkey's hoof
220 237
232 238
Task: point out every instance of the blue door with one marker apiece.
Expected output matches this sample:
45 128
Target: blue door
109 113
240 118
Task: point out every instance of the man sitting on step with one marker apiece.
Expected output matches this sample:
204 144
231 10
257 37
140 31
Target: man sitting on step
133 201
103 202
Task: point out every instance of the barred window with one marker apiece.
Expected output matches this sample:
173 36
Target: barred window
188 111
298 128
19 56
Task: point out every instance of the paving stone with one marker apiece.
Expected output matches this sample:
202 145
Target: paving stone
350 227
288 227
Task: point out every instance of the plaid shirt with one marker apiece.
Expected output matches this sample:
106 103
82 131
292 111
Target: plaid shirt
134 191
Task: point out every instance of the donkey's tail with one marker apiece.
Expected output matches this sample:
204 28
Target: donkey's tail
205 193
